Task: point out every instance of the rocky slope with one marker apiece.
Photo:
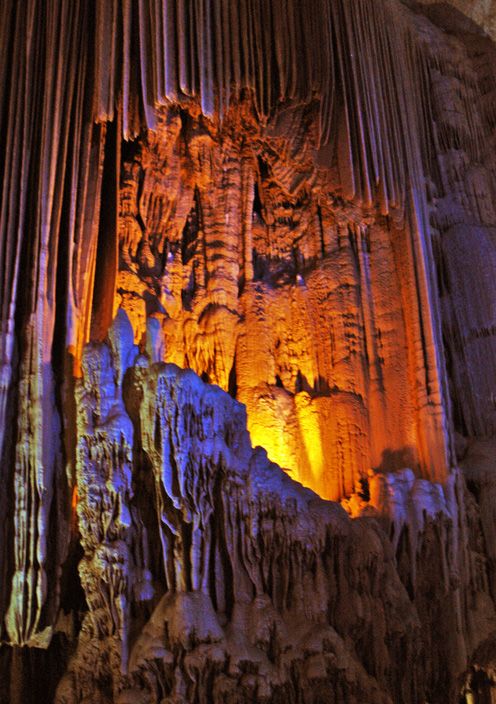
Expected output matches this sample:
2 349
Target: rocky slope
210 574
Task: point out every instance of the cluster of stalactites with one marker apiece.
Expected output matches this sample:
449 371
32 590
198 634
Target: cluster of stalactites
357 59
117 61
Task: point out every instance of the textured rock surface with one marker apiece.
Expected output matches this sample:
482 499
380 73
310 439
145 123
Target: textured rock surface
264 284
198 577
296 202
481 12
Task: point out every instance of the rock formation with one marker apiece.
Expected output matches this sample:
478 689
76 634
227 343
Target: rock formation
481 12
248 352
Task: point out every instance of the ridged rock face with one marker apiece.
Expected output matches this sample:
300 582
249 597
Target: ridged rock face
210 575
239 260
237 247
226 225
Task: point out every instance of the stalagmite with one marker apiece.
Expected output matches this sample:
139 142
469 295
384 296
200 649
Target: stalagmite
247 349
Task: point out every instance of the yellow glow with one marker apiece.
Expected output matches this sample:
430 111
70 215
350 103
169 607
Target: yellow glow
309 427
268 421
289 428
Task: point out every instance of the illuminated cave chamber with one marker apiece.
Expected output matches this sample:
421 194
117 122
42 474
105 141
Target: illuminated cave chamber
251 268
293 202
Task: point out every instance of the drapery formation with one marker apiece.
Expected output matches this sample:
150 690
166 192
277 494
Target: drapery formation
91 93
238 259
69 68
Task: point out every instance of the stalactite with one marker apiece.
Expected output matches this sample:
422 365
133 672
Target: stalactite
50 91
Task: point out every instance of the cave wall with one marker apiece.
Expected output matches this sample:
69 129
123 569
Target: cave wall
481 13
298 206
200 556
253 272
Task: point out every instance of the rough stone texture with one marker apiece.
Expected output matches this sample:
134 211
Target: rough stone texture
198 577
296 202
265 284
481 12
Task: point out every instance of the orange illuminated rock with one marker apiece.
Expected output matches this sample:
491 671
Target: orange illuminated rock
320 340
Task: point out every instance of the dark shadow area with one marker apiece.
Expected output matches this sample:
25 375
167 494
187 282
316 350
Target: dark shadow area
106 259
189 239
258 216
233 380
393 460
32 675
